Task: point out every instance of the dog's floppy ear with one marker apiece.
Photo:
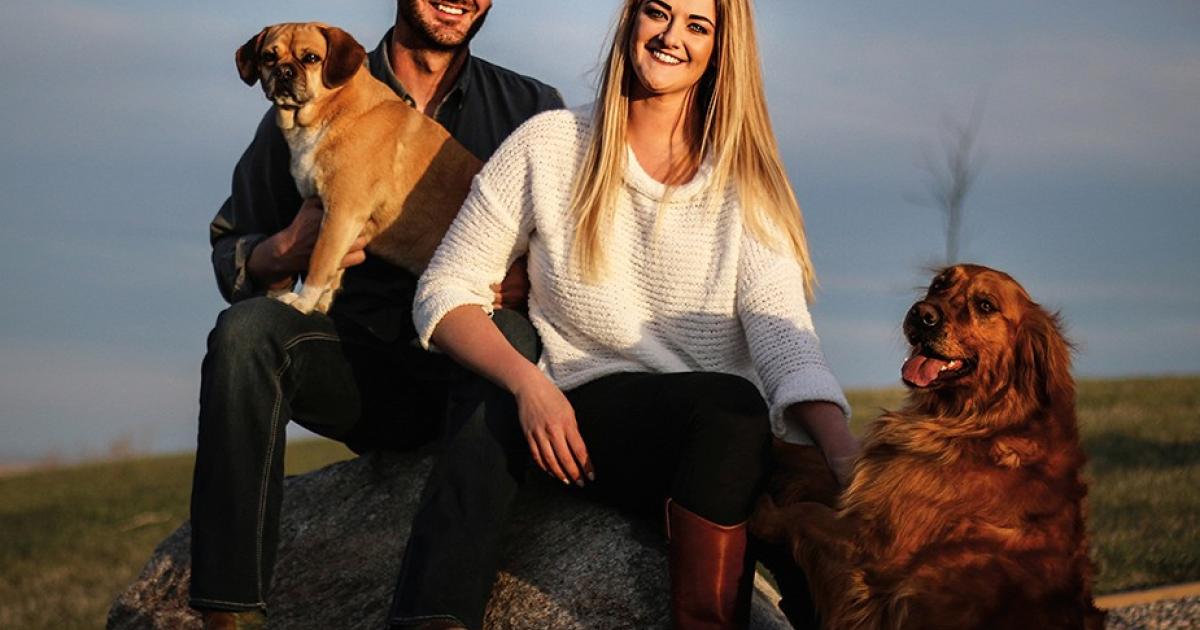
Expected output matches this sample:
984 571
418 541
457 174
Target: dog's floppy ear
1043 358
247 58
343 57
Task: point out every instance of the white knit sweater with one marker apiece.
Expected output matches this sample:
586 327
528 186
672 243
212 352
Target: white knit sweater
694 293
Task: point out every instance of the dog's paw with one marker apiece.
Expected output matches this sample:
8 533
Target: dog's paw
325 301
287 297
305 301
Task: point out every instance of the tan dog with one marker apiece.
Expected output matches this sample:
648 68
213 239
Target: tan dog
382 170
966 508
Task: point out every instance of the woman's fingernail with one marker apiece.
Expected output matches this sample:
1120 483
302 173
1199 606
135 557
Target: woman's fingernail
579 482
591 476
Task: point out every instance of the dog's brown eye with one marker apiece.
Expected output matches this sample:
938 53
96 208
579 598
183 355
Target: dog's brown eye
311 58
939 284
985 306
269 57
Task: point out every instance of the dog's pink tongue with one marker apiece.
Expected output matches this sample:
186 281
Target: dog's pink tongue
920 370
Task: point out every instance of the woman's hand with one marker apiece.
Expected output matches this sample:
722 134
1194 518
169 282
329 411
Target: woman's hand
547 419
825 423
548 422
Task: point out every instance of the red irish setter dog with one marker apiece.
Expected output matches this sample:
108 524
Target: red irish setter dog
966 507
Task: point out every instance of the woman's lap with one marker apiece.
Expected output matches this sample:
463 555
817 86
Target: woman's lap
700 438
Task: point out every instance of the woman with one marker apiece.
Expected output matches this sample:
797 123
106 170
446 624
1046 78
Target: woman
669 274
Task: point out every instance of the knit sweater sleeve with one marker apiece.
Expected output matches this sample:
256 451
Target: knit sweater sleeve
490 232
779 330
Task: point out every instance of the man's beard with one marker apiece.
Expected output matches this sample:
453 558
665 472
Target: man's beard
434 36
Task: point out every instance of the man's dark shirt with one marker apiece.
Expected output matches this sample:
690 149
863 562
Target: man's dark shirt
485 104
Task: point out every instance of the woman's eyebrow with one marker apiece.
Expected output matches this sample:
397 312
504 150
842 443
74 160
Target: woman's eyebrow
694 16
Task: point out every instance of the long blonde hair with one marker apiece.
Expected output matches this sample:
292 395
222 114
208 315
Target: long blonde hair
737 129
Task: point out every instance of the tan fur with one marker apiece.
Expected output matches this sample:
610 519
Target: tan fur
382 170
966 507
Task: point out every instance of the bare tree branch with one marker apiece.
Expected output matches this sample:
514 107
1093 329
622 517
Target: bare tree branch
950 178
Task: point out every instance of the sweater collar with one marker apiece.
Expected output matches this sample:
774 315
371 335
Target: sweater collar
639 180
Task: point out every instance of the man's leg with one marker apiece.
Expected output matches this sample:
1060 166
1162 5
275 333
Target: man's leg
452 555
266 363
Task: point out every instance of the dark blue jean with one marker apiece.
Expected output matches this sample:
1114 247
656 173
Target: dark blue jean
702 439
268 363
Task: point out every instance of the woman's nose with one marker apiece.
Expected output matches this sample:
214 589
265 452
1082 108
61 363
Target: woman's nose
671 35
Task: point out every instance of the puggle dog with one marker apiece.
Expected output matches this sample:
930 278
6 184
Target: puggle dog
383 170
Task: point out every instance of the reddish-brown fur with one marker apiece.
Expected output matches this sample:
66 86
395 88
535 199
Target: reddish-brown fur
966 507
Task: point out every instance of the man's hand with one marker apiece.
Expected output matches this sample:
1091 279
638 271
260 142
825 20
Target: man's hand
276 261
513 291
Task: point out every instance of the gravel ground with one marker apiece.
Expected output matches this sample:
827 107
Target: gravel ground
1167 614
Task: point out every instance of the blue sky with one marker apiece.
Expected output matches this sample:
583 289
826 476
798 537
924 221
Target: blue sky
122 122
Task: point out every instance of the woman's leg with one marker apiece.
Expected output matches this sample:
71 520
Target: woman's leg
701 440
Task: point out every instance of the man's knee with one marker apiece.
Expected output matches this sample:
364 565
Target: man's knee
519 332
252 325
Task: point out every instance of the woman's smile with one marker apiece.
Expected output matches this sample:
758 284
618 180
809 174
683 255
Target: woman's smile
672 44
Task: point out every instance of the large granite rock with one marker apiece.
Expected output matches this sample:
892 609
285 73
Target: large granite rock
569 563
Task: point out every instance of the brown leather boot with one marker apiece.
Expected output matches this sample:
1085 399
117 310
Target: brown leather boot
225 620
711 576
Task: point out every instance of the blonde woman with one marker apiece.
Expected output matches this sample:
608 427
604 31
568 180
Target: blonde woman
669 275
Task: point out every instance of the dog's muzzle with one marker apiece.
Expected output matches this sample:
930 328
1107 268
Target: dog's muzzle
923 321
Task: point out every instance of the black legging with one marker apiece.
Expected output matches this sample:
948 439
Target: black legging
700 438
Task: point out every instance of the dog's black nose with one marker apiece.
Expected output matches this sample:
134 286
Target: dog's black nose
924 315
285 72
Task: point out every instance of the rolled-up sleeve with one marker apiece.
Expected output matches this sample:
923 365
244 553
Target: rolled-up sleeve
783 344
490 232
263 200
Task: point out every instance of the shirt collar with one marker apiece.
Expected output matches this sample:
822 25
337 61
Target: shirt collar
380 65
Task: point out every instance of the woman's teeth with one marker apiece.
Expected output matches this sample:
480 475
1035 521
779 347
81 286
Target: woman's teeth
665 58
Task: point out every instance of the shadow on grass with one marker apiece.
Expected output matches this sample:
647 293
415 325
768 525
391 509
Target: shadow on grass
1115 452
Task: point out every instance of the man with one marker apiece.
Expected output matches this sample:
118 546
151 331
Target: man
354 375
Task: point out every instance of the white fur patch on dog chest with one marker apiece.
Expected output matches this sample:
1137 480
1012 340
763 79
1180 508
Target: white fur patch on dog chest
303 143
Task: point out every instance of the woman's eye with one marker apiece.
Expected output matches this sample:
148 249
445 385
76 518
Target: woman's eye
654 13
698 29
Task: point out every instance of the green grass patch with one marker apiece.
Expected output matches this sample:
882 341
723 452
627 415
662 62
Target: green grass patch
75 537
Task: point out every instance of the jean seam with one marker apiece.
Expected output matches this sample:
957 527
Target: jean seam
411 619
266 471
206 600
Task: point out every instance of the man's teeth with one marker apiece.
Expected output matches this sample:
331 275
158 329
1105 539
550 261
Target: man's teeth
449 9
665 58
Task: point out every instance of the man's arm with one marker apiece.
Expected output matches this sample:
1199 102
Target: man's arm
263 202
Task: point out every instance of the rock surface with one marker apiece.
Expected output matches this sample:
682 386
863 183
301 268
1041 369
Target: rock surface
569 563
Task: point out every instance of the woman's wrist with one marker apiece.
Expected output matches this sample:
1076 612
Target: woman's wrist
523 377
825 423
